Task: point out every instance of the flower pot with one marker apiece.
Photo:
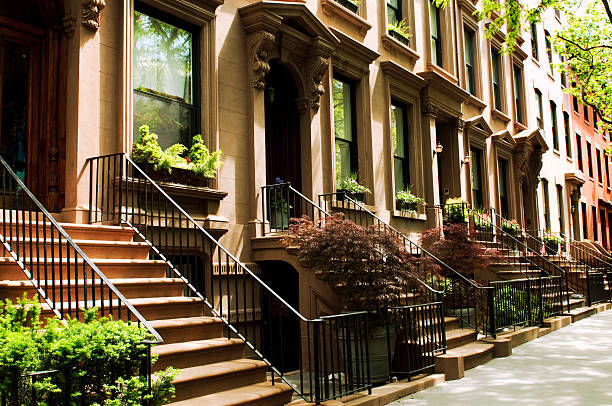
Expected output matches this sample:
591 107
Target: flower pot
358 196
406 206
178 175
279 219
349 5
398 37
552 247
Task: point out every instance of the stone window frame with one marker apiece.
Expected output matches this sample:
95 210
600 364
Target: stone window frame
468 20
447 26
197 13
478 140
504 145
403 86
497 43
410 50
517 62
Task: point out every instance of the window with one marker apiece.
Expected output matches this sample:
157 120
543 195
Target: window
470 77
436 34
503 187
477 186
568 140
561 209
563 75
534 41
575 103
518 93
602 220
538 95
555 130
399 136
594 214
607 170
599 172
585 224
589 159
586 113
579 151
165 77
344 128
495 70
394 13
546 203
548 48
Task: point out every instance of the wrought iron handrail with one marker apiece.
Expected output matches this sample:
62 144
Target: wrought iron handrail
464 291
586 251
120 191
35 251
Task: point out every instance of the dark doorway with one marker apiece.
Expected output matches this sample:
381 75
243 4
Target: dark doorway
281 328
283 147
32 91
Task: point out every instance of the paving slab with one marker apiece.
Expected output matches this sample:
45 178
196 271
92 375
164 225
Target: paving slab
570 366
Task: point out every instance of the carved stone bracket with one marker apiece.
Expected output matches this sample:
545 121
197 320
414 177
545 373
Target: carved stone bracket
90 13
302 104
460 124
430 109
260 45
69 23
315 70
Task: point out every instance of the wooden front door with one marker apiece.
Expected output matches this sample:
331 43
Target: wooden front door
29 108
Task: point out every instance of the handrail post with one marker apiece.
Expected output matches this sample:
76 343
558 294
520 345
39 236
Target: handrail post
317 358
529 309
588 282
540 300
491 304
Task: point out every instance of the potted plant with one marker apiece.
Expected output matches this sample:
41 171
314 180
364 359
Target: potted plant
455 210
400 31
551 243
352 5
368 266
406 201
482 221
351 187
196 168
511 226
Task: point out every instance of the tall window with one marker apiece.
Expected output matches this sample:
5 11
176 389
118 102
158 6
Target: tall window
394 11
594 214
607 169
477 192
579 151
589 159
399 136
585 224
164 77
538 95
548 48
599 172
518 92
563 75
503 187
534 41
568 135
586 112
575 103
436 34
555 129
602 220
495 70
470 77
344 128
595 120
561 209
546 203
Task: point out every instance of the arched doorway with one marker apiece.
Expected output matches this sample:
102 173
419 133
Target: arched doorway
283 146
31 96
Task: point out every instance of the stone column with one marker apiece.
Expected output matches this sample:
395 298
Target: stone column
430 162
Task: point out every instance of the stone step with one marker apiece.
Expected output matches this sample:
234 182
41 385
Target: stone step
38 229
458 337
111 268
580 313
207 379
188 328
70 288
38 247
193 353
259 394
457 360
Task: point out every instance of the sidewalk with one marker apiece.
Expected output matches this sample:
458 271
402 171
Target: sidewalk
571 367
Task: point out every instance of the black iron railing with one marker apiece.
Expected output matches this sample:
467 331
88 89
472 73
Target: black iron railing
309 355
415 336
461 296
526 302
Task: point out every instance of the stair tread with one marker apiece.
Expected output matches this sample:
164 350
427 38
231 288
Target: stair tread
459 333
238 396
84 226
183 322
141 301
219 369
101 261
470 350
116 282
80 242
210 344
580 310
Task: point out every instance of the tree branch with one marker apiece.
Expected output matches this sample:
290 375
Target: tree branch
608 11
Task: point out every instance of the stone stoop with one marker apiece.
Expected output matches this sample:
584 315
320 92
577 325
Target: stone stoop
215 370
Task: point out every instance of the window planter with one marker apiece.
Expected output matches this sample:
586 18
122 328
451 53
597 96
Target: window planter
399 37
358 196
178 175
552 247
348 5
404 206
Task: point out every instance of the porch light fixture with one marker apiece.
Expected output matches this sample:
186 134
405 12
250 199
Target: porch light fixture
438 149
467 159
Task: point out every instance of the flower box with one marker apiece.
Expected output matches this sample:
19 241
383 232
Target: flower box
178 175
399 37
348 5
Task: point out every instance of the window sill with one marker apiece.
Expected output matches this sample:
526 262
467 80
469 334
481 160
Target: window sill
569 159
500 115
551 76
407 215
390 44
534 60
442 72
474 100
519 126
330 7
556 152
601 184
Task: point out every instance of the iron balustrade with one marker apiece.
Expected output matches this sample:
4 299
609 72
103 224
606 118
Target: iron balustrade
415 336
307 354
461 296
526 302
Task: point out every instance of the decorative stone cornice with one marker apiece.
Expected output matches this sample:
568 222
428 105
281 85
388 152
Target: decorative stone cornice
90 13
315 69
260 45
460 124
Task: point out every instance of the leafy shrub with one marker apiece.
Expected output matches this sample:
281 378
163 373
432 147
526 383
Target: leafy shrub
408 200
351 185
369 264
511 227
96 361
401 27
511 306
455 211
199 159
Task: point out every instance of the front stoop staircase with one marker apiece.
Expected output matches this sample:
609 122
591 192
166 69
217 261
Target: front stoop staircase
215 370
